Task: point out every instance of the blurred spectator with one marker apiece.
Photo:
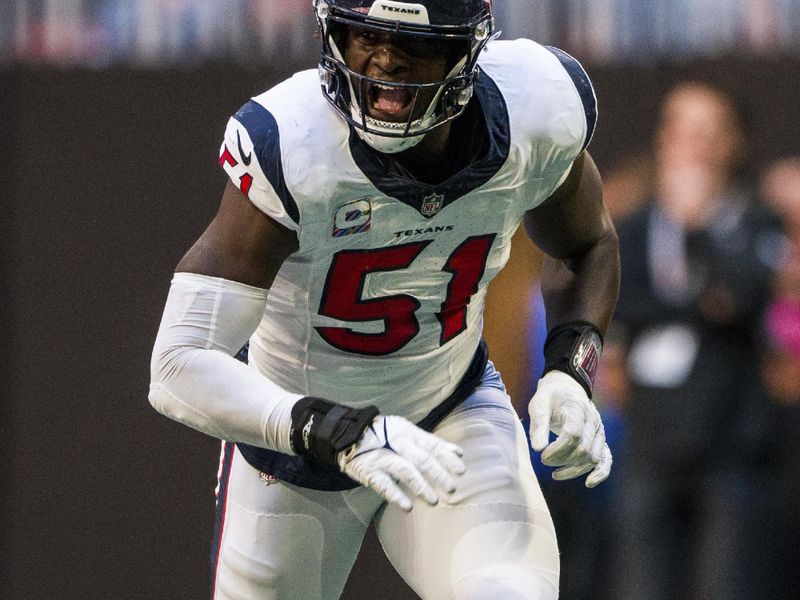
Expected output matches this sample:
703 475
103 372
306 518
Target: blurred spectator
283 27
780 361
6 32
781 355
98 33
627 184
780 367
632 30
695 280
780 187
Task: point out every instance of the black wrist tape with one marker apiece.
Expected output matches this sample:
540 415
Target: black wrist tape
320 429
575 349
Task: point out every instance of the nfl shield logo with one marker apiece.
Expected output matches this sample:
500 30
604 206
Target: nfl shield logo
431 205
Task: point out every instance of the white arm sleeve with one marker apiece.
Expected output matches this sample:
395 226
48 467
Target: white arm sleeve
194 377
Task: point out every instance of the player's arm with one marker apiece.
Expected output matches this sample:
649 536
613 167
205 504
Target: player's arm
215 303
580 284
241 244
580 273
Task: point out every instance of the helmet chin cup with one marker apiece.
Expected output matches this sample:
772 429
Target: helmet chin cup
389 142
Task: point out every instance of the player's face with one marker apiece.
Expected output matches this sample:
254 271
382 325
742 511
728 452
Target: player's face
397 59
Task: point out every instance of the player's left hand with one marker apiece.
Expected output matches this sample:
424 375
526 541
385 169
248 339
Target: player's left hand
394 456
561 405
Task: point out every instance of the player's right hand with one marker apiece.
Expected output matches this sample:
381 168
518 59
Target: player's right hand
394 456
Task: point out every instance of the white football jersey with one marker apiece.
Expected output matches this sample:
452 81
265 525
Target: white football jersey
382 303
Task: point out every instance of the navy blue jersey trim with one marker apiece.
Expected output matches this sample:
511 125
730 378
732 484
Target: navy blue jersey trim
584 86
301 471
266 137
411 191
222 500
470 380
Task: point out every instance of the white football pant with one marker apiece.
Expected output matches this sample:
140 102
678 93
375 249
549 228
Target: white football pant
493 539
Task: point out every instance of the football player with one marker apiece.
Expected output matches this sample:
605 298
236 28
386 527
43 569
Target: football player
370 204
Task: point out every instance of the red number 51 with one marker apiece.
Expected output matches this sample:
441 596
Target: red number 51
342 297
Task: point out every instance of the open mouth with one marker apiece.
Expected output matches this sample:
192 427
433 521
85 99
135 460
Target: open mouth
389 103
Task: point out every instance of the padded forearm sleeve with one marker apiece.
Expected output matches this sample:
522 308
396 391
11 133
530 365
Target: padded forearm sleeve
194 377
321 429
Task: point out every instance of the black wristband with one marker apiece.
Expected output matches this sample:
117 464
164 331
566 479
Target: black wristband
574 348
320 428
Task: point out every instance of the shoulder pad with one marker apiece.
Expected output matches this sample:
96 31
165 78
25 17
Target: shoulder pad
584 87
251 156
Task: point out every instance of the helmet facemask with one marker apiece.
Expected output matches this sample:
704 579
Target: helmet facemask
432 104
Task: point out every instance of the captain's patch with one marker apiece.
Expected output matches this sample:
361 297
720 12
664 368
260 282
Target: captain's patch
353 217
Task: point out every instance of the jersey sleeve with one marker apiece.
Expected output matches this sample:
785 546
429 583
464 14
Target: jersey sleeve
251 156
583 86
579 117
552 110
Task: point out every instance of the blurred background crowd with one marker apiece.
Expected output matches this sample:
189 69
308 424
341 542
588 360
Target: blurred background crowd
700 378
98 33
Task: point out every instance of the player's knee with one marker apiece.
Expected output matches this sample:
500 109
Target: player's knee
509 582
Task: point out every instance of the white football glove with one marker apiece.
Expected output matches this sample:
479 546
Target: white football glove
561 405
393 454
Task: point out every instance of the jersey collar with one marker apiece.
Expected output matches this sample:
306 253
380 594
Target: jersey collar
411 191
